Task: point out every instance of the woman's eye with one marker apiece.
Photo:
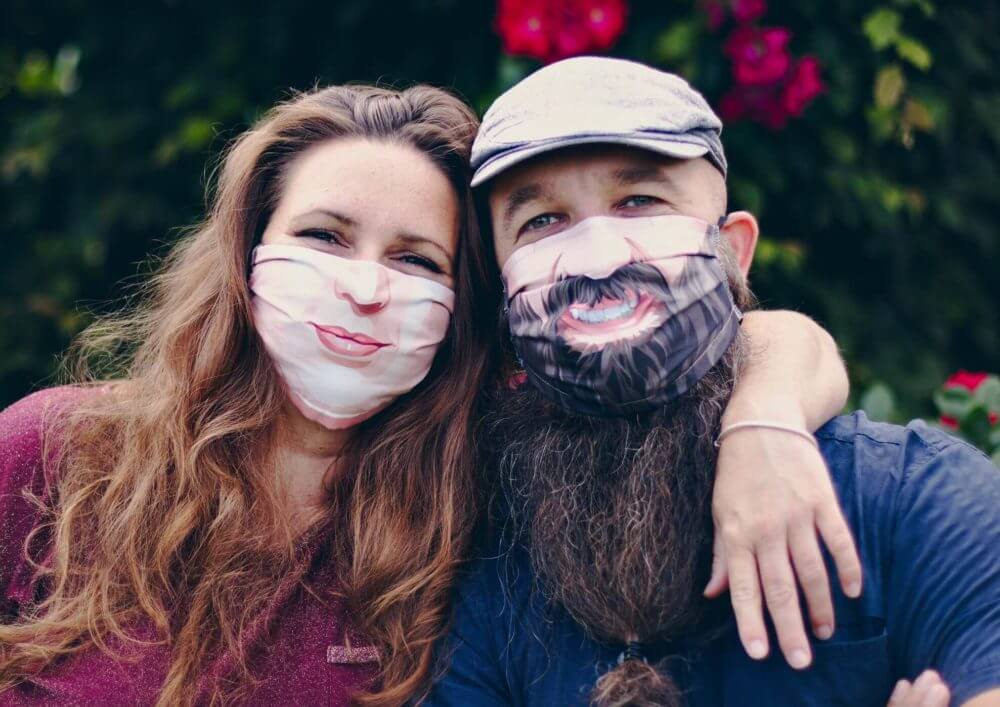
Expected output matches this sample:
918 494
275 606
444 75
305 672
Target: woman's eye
637 201
422 262
540 222
321 234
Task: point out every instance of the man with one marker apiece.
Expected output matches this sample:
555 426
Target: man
625 281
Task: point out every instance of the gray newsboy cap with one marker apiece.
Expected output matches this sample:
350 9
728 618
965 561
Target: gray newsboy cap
596 100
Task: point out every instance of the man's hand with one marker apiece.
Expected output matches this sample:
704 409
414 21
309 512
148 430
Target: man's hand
928 690
772 495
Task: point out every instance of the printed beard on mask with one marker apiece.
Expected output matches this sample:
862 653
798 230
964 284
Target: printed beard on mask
632 340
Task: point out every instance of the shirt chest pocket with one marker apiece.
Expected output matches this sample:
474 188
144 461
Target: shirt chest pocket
852 668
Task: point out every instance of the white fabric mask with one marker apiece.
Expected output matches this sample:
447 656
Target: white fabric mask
347 336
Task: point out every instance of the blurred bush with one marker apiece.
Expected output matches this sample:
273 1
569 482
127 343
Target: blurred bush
877 197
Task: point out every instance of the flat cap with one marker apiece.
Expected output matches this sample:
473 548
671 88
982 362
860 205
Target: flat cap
588 100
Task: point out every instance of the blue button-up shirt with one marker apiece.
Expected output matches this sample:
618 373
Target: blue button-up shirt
925 511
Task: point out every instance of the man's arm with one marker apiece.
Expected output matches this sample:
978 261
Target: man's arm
943 587
985 699
773 490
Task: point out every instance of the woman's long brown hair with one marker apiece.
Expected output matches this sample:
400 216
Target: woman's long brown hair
165 509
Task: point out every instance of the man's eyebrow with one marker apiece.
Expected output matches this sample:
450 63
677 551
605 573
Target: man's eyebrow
329 213
646 173
416 238
519 197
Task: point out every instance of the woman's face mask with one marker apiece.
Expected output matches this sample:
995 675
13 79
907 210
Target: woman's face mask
347 336
620 315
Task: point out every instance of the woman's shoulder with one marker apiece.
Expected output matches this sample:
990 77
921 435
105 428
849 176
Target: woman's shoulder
24 428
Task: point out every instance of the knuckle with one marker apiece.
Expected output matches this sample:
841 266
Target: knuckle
765 528
801 515
743 592
812 574
732 533
781 595
840 543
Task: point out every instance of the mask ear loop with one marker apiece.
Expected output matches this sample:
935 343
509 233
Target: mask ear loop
716 242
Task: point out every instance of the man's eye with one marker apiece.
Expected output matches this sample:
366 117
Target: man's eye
540 222
637 201
422 262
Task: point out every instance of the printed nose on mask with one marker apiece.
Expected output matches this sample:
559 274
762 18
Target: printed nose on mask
365 286
597 256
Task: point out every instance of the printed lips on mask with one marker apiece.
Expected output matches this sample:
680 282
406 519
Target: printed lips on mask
347 336
620 315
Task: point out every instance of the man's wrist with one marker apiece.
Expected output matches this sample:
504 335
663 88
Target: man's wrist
784 410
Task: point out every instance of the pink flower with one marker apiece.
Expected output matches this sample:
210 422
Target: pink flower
746 11
759 55
550 30
803 85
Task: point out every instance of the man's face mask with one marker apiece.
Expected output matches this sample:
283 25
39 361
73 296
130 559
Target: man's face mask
347 336
620 315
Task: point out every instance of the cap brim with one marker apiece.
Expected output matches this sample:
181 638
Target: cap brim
506 160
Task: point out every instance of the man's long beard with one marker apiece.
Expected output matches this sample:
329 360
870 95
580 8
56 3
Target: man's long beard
617 512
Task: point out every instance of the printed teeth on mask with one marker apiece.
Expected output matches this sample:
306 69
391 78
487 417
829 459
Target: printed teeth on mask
597 316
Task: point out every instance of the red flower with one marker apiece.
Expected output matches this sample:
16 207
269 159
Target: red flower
966 379
759 55
803 85
715 13
969 380
555 29
746 11
523 25
948 422
604 19
758 103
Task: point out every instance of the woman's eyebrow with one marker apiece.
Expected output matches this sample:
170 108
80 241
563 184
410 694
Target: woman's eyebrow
414 238
343 218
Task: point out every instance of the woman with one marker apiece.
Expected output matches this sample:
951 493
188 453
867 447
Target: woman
264 493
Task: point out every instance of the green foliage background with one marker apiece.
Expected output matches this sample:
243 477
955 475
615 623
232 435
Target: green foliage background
878 207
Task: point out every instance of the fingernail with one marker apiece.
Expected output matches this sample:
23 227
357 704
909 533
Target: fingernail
799 658
823 631
854 589
757 649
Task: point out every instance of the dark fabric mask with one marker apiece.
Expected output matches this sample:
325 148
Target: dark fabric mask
616 316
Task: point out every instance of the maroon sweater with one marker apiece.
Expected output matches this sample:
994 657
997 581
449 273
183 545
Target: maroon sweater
299 647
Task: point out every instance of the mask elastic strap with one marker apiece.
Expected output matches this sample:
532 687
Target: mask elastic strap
717 230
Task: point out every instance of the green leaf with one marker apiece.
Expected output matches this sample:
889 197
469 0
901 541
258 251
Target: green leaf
996 458
511 69
995 438
953 402
889 86
879 403
914 51
916 115
677 42
882 27
975 425
988 393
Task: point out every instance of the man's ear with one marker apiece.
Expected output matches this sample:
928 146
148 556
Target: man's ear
741 230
